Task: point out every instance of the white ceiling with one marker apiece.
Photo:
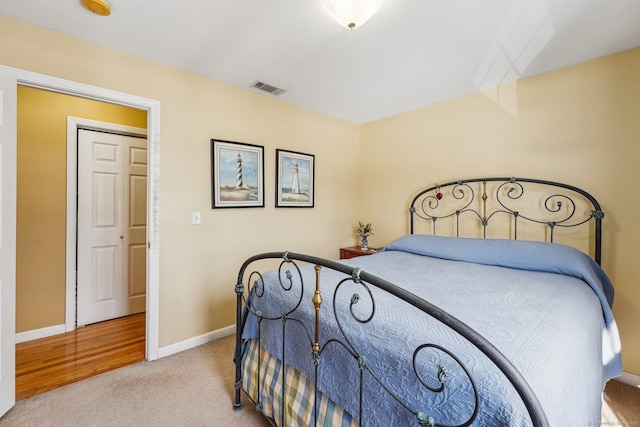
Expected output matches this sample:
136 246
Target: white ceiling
412 53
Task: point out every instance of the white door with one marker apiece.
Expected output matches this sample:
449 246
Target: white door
135 218
111 226
8 161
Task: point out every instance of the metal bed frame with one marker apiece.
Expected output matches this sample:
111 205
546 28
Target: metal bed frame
558 210
469 198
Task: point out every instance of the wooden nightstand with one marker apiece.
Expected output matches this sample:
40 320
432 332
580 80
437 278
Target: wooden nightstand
354 251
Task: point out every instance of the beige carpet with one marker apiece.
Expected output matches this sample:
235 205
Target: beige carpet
621 405
191 388
194 388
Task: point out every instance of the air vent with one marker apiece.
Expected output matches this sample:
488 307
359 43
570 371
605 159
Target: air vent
265 87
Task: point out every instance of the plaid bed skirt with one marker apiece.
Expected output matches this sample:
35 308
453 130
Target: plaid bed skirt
262 382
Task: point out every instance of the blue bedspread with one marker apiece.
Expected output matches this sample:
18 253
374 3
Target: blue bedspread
532 256
545 306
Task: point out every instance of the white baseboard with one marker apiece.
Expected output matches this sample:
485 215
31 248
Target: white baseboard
40 333
196 341
630 379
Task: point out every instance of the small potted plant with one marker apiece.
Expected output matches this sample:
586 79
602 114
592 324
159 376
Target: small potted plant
364 231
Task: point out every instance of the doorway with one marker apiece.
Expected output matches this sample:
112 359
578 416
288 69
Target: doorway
10 80
44 126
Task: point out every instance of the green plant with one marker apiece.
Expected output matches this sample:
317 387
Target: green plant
364 230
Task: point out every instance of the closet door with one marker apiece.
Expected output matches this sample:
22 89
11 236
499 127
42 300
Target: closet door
112 212
135 219
100 227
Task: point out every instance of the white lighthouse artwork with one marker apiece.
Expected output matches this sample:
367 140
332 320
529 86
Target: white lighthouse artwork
295 176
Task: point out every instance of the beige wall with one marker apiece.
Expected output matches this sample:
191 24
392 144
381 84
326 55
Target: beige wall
199 264
42 192
579 125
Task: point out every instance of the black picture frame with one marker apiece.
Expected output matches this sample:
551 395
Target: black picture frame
295 179
237 174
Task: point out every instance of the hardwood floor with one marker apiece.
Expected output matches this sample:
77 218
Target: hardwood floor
49 363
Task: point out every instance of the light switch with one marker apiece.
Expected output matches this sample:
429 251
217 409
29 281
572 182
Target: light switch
195 218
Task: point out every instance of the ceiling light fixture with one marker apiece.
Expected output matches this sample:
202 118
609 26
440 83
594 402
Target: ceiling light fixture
99 7
351 13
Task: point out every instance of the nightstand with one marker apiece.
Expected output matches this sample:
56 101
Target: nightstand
354 251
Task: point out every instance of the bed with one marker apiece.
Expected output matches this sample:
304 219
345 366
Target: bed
450 325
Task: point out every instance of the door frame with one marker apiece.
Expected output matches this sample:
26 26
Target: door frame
8 199
73 124
54 84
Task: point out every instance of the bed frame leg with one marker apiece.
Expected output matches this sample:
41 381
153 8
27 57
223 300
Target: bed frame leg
239 288
237 404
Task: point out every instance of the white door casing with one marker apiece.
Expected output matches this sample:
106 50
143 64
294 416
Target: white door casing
8 177
112 203
9 163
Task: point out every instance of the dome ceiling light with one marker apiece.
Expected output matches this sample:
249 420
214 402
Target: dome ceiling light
351 13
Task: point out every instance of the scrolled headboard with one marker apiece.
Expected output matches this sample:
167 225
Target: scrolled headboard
550 204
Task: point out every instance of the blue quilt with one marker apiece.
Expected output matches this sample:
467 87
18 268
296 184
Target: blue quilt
545 306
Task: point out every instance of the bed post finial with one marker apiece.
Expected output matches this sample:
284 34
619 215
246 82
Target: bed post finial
317 301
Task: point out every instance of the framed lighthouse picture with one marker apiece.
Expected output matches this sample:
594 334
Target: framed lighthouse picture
237 174
294 179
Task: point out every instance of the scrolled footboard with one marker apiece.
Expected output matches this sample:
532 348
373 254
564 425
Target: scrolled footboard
254 315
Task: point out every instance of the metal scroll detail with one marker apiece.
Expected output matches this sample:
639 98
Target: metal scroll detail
550 204
434 205
432 365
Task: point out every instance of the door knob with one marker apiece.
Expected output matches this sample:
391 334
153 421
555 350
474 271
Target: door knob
122 237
